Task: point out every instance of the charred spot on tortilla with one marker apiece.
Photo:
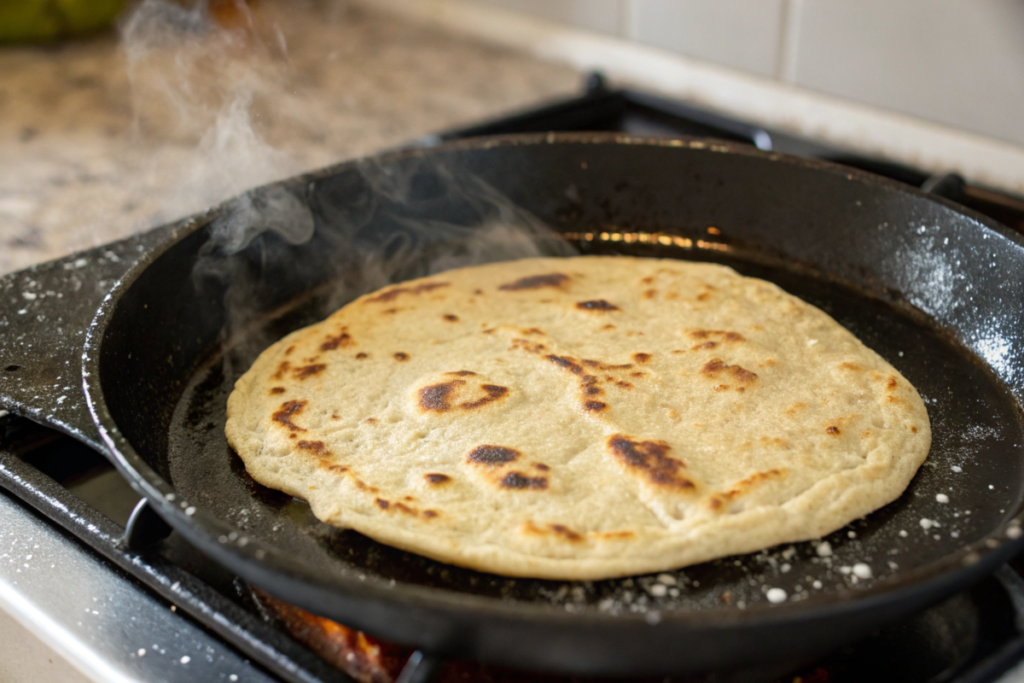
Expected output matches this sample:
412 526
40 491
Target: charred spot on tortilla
287 410
596 305
336 341
493 455
436 397
308 371
651 460
518 480
535 282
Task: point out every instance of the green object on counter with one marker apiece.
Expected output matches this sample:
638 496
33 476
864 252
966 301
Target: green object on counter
44 20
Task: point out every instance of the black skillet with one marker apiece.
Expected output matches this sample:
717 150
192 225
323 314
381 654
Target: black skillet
933 288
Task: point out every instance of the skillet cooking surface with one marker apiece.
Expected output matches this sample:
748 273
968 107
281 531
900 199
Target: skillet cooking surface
860 248
972 425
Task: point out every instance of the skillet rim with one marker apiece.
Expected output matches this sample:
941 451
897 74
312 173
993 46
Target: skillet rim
969 562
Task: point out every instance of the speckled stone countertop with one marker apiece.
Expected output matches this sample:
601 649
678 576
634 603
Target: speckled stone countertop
104 137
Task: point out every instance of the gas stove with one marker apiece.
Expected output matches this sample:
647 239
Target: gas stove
105 583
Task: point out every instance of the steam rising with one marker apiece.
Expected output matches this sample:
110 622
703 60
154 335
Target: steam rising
201 86
208 83
350 233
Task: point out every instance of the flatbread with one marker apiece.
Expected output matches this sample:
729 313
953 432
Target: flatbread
580 418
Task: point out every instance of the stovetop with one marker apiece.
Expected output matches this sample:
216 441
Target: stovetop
974 636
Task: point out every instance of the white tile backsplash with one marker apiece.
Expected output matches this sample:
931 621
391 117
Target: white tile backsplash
959 63
744 34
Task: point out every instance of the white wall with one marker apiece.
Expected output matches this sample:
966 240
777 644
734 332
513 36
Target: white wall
958 62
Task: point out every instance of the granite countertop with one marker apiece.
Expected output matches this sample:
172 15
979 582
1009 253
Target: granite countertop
104 137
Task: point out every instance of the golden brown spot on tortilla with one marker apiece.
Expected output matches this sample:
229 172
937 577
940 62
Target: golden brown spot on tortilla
651 460
566 533
340 469
532 330
594 406
638 374
715 367
623 385
608 327
535 282
308 371
450 318
705 345
394 293
741 487
382 504
400 357
541 466
361 485
832 429
848 366
518 480
793 409
703 296
430 514
647 280
281 369
361 356
723 335
913 429
890 383
492 455
650 294
288 409
289 350
461 373
721 387
292 436
892 399
641 357
390 311
599 305
371 420
612 535
478 292
277 390
435 478
332 343
317 447
672 295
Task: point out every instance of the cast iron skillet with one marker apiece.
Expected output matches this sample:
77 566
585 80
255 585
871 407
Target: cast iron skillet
933 288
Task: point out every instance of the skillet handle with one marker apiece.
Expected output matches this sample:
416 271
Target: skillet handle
45 311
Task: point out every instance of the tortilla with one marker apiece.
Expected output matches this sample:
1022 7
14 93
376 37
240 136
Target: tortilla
580 418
